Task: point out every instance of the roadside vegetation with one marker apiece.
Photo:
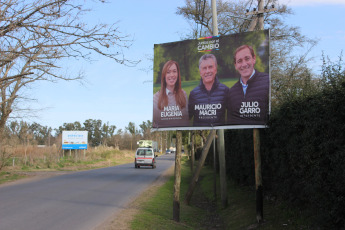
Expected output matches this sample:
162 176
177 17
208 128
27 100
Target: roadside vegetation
302 150
21 160
205 213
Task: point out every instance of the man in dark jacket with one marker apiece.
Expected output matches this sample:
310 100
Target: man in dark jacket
248 99
207 101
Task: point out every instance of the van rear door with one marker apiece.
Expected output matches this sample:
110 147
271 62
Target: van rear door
144 156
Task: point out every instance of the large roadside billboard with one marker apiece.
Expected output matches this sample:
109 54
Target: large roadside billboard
74 139
220 82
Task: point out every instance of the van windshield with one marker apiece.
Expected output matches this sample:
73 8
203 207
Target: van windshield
144 152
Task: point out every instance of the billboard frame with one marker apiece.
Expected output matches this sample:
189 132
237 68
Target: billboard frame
214 48
73 139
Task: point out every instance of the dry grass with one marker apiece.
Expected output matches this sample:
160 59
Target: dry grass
51 158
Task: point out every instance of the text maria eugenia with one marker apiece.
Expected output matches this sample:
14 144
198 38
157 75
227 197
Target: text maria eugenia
171 111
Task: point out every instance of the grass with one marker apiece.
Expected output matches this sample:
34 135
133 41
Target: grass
156 213
8 176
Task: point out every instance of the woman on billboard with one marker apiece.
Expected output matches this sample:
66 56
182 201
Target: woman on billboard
170 102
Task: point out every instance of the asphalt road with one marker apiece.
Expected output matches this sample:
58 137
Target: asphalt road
81 200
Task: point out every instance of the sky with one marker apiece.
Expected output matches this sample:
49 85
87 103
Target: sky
119 94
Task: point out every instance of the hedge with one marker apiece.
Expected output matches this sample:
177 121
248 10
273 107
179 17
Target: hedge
303 155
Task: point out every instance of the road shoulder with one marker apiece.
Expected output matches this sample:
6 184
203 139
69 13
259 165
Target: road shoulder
121 220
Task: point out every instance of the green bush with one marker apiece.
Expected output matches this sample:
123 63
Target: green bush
303 155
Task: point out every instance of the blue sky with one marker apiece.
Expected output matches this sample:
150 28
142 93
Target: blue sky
118 94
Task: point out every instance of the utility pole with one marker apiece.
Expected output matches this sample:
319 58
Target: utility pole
214 18
259 15
256 137
258 20
220 139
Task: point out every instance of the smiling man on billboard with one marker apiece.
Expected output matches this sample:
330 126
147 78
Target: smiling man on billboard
248 99
207 101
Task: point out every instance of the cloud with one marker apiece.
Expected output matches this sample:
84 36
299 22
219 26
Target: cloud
312 2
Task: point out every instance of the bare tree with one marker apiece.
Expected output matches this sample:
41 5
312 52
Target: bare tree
289 48
199 14
36 35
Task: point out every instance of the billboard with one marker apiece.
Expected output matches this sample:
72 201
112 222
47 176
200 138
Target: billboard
219 82
74 139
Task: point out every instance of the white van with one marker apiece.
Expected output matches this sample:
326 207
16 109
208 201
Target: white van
145 157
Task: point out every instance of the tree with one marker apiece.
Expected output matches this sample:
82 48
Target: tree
37 35
94 131
69 127
19 133
287 68
41 134
146 129
199 14
333 73
107 132
132 130
116 139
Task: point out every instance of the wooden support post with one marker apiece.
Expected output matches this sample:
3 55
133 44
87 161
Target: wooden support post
258 179
176 202
200 165
189 147
214 169
256 136
222 169
192 158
